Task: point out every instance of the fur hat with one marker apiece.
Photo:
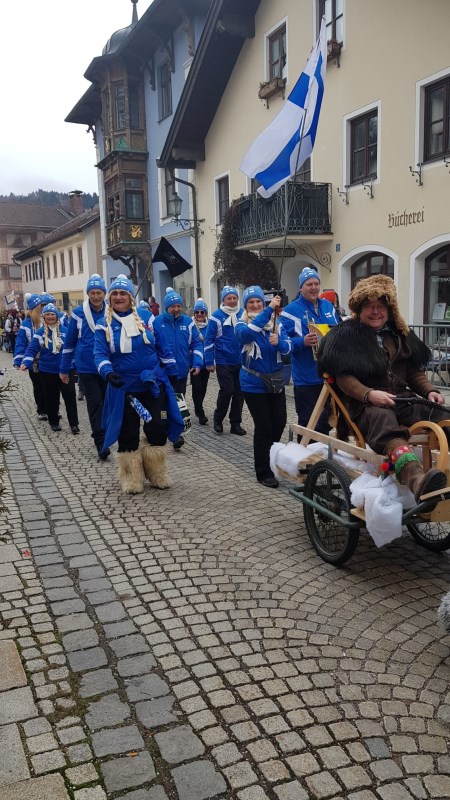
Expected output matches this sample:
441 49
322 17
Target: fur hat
306 274
228 290
34 300
252 293
96 282
375 288
123 284
172 298
200 305
50 309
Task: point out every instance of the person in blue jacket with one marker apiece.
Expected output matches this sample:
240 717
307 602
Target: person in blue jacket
79 345
29 326
184 341
136 364
199 383
263 344
222 356
295 318
48 342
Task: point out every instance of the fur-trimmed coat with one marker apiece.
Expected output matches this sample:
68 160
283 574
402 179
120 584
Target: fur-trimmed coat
351 354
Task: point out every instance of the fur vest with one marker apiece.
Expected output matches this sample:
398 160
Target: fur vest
352 347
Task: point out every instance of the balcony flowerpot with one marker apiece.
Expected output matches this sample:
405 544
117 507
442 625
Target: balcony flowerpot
270 88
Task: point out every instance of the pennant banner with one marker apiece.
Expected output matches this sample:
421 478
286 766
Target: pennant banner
167 254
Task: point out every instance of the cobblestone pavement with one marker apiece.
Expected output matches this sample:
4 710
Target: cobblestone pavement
190 644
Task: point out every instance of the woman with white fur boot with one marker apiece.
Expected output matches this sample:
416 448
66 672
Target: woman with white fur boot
129 355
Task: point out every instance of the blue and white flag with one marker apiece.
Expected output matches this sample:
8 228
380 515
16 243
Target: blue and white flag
274 156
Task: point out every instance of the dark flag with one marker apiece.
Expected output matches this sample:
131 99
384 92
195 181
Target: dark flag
167 254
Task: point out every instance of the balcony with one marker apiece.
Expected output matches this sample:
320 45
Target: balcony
125 237
309 207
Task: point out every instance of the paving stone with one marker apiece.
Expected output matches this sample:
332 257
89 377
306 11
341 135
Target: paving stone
107 712
17 705
77 776
8 553
34 727
48 762
97 682
13 763
12 675
117 740
198 781
125 773
127 645
74 622
179 744
437 785
90 793
155 793
291 791
138 665
322 785
153 713
240 774
144 687
80 640
42 743
116 629
42 788
111 612
83 660
78 753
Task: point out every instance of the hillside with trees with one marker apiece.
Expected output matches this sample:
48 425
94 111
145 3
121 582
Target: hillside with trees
49 198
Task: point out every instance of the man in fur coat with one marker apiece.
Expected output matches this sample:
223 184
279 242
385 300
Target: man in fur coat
378 363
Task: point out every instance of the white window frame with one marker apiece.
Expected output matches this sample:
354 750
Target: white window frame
346 144
419 122
218 178
164 216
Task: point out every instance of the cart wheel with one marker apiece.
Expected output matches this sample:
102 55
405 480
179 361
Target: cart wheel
432 535
327 483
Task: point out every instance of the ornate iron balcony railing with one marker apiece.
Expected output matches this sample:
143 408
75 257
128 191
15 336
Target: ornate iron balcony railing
309 207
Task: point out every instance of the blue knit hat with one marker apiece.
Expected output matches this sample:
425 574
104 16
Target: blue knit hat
96 282
253 292
200 305
144 304
47 298
50 308
122 283
172 298
34 300
228 290
306 274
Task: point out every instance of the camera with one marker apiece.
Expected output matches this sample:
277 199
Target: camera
269 294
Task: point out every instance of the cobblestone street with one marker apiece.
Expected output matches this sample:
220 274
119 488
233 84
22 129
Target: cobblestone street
190 644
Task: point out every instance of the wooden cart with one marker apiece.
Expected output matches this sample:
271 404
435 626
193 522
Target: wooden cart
323 486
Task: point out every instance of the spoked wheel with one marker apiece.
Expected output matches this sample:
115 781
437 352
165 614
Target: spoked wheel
327 484
432 535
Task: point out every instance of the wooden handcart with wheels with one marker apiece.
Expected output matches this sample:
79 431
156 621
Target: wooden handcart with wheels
333 525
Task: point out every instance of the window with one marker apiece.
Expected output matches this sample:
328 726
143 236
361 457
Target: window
119 96
363 146
304 173
40 270
80 259
277 53
169 191
372 264
437 120
165 91
70 261
333 11
106 122
223 198
134 202
63 265
133 105
437 285
47 264
55 266
26 273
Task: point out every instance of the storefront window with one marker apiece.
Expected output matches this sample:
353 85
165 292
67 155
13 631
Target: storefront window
437 287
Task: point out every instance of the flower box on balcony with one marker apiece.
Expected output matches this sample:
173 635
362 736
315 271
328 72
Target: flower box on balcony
270 88
334 50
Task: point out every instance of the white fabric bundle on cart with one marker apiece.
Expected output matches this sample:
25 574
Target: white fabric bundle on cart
289 456
383 501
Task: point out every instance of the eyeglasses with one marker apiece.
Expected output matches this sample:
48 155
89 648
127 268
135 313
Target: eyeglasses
199 312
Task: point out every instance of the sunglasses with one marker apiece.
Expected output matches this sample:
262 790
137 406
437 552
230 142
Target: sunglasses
199 312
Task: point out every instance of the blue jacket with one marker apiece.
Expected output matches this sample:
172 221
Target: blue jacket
48 360
23 339
141 371
257 352
79 342
183 339
294 319
220 344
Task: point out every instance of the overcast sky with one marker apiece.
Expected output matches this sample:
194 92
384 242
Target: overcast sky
46 47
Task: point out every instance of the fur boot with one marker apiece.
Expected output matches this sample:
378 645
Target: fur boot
154 461
131 472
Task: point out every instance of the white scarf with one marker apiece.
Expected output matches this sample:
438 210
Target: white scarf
88 315
232 314
129 329
56 340
252 349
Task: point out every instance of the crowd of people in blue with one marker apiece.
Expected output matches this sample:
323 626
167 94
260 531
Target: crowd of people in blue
133 367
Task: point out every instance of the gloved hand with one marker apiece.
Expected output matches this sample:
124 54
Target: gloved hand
173 380
115 380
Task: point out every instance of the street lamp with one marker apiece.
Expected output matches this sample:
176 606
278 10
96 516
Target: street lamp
174 206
